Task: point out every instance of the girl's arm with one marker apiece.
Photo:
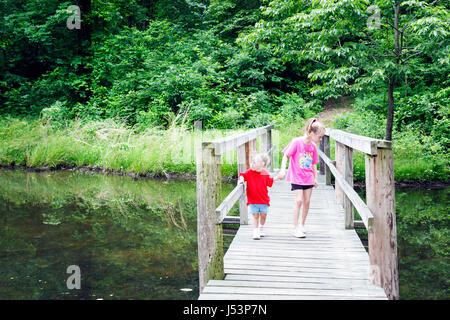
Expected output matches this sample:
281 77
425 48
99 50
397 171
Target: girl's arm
282 172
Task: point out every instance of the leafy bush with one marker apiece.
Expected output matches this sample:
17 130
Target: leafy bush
259 120
367 124
417 156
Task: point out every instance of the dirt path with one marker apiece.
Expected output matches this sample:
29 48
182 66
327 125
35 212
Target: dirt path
334 107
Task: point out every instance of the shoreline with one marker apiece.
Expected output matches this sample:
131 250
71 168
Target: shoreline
191 176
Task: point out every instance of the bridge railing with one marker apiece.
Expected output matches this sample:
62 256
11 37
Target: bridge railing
378 215
210 212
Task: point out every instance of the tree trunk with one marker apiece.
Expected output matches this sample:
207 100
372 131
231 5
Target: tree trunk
398 50
390 115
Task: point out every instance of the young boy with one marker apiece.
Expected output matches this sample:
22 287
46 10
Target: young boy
258 199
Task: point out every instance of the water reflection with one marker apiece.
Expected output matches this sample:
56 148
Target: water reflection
137 239
423 241
131 239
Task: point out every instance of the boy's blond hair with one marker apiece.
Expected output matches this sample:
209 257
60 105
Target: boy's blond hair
260 156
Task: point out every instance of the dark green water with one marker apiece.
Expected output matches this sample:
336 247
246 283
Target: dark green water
131 239
423 241
136 239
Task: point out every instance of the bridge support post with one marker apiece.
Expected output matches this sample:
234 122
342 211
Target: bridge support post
380 189
242 166
348 176
209 233
325 147
339 157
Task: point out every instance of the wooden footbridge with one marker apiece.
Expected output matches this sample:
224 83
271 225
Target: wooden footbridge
331 262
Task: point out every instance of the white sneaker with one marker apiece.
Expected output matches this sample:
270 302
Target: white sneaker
299 233
301 228
262 233
256 235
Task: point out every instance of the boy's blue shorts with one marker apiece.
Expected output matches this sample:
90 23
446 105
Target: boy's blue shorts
258 208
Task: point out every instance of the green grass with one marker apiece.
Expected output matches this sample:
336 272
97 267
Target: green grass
111 145
108 144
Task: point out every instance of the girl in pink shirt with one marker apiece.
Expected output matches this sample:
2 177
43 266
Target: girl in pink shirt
302 172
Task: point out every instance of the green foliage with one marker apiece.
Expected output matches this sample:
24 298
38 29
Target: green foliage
418 156
344 56
368 123
232 64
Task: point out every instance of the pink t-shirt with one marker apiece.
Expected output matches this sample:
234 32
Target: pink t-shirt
303 158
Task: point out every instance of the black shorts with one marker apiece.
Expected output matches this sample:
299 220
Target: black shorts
300 187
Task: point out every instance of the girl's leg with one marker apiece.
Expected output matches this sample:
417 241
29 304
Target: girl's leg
306 200
297 205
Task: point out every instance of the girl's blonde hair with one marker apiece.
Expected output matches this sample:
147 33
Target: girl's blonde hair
313 125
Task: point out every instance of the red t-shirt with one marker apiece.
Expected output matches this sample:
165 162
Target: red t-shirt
257 183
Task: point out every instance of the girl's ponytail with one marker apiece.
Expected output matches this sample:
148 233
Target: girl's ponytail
313 125
309 124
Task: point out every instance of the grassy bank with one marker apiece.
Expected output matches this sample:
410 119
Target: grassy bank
107 144
112 145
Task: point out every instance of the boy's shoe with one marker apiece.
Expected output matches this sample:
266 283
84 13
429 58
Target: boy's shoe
262 233
256 235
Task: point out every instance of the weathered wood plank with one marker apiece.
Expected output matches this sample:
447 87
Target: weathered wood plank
296 285
380 196
339 160
283 279
289 291
209 234
230 143
362 208
242 167
227 296
360 143
228 203
286 273
348 176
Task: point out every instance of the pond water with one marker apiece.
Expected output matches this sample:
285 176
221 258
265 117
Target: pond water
136 239
131 239
423 241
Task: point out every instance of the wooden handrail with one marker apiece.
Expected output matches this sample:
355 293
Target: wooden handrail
361 143
229 143
361 207
228 203
378 214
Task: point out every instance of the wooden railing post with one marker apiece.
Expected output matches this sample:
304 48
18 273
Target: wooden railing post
242 166
348 176
209 233
339 157
321 162
325 147
380 196
269 148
